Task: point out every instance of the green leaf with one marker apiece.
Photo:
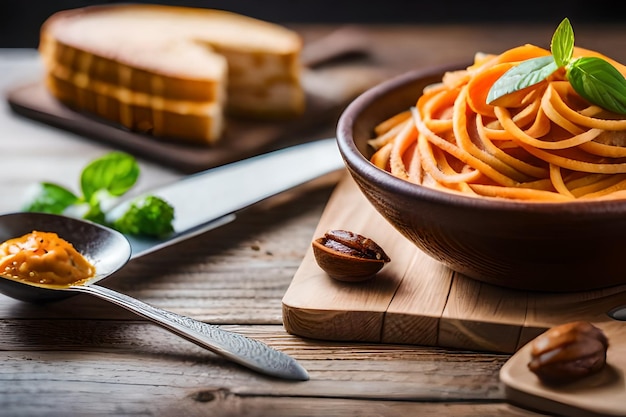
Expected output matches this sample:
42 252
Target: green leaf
95 214
562 45
105 178
115 172
51 198
599 82
592 78
525 74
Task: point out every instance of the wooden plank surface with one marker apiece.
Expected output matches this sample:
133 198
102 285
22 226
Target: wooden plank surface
603 393
83 357
416 300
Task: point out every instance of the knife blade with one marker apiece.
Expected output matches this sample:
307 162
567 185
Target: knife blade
211 198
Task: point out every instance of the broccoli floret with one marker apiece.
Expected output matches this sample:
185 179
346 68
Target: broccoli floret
150 216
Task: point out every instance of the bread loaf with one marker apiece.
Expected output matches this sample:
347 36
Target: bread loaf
171 72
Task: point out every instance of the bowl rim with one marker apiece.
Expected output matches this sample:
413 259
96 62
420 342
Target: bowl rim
357 162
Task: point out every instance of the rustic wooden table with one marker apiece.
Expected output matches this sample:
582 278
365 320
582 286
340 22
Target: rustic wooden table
85 357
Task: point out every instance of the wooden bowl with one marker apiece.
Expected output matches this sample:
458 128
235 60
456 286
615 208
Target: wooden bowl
571 246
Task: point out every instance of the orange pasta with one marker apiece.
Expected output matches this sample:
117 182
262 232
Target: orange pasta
541 143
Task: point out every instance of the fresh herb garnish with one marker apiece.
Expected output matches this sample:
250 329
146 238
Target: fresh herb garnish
593 78
149 216
101 182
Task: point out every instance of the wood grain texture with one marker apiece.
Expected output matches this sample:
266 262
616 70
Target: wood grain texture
429 305
83 357
415 300
601 394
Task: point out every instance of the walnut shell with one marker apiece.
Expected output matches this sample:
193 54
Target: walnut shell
348 256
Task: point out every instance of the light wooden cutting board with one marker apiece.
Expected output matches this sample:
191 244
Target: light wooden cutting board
416 300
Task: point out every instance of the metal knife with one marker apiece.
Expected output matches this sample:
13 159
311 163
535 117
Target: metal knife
211 198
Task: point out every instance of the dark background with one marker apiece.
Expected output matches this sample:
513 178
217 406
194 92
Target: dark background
20 20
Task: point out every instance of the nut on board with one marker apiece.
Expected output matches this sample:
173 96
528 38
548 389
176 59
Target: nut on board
568 352
348 256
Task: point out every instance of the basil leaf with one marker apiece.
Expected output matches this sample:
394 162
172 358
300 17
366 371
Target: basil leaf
95 214
525 74
106 178
51 198
115 172
599 82
562 45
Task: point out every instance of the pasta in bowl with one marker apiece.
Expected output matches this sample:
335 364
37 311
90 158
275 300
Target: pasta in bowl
527 191
541 143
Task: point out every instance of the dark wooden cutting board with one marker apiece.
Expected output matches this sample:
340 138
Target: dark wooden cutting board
416 300
330 81
241 139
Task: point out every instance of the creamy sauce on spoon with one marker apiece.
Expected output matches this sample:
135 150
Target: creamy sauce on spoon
44 258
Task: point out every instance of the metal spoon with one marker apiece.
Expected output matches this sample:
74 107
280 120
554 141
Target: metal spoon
109 251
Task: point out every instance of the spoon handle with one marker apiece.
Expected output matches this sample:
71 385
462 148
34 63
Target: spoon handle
243 350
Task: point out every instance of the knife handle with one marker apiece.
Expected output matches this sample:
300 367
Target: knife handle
240 349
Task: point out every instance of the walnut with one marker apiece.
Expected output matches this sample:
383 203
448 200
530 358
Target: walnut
568 352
